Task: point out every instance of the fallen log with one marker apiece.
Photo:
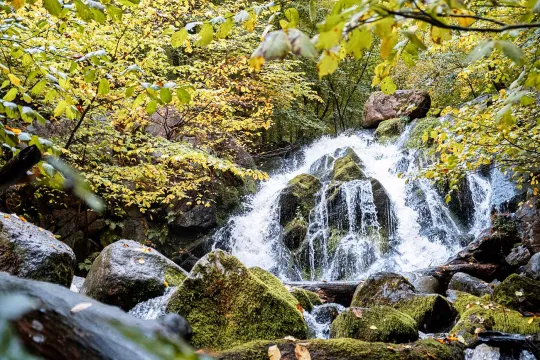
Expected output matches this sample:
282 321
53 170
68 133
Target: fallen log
15 170
339 292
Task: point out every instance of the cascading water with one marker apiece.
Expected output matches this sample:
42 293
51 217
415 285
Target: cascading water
153 308
418 229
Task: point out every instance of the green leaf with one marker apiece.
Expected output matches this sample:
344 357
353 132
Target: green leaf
130 91
312 11
331 38
183 95
179 38
511 51
53 7
225 29
358 40
206 35
89 75
104 87
11 94
483 49
292 15
151 107
387 86
165 95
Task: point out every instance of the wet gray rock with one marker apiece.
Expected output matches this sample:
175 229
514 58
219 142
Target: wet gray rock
31 252
76 284
66 325
519 255
127 273
411 103
425 284
322 166
298 198
532 269
469 284
529 224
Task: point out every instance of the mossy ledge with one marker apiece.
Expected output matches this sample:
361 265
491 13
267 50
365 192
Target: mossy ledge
350 349
227 305
307 299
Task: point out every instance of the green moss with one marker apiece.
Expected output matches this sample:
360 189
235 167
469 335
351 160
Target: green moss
350 349
428 311
382 289
347 169
518 293
294 233
380 323
307 299
480 313
226 304
173 277
303 188
422 126
389 130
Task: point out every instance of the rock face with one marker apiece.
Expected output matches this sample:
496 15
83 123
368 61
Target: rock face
470 284
30 252
227 305
347 168
432 312
298 198
533 267
529 224
346 349
519 293
518 256
478 313
379 323
379 107
56 331
127 273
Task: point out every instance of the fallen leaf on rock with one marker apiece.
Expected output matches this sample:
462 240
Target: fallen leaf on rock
290 338
80 307
6 216
299 308
407 346
519 293
165 283
23 219
461 339
301 352
274 353
373 327
478 330
357 312
530 320
141 261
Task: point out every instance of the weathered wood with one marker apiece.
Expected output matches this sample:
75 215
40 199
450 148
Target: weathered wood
443 273
339 292
14 171
505 341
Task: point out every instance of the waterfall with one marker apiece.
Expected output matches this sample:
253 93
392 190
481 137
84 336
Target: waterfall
153 308
418 230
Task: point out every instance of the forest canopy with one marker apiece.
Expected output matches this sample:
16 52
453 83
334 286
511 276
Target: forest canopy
152 101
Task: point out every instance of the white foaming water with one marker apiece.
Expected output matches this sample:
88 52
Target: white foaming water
320 319
255 237
154 308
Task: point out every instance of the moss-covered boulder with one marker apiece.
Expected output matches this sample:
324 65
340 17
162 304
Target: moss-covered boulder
519 292
126 273
432 312
389 130
481 314
298 198
30 252
227 305
322 166
345 349
379 323
294 233
469 284
421 127
347 168
307 299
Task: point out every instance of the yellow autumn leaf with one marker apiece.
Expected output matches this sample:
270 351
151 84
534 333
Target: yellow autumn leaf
301 352
274 353
14 80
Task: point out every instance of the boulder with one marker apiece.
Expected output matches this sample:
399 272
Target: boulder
431 312
479 314
529 224
322 166
298 198
347 168
341 349
470 284
519 293
127 273
532 269
461 203
227 305
379 323
31 252
389 130
411 103
307 299
519 256
294 233
339 292
424 284
64 325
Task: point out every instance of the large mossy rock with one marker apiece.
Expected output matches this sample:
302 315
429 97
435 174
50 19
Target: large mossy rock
529 224
345 349
414 104
389 130
127 273
227 305
379 323
31 252
294 233
470 284
65 325
481 314
519 293
298 198
307 299
432 312
421 127
348 167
